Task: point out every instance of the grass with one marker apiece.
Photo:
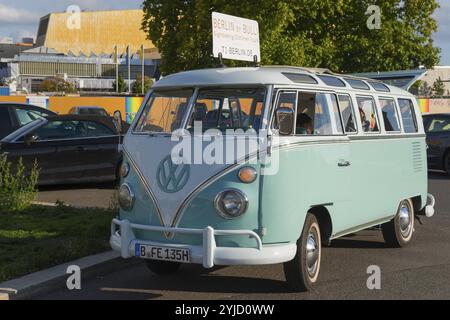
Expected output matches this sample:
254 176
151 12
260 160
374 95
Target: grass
42 237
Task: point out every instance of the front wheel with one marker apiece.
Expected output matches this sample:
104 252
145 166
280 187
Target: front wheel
162 267
398 232
302 273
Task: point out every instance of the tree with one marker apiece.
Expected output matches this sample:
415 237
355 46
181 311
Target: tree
424 89
438 89
137 85
56 84
316 33
122 84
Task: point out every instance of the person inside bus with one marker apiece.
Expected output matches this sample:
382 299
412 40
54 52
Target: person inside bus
304 124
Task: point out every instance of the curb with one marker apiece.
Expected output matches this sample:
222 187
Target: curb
54 278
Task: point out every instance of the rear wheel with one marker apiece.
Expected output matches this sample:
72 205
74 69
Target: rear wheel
302 273
398 232
162 267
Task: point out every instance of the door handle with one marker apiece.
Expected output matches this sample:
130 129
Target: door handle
344 163
81 149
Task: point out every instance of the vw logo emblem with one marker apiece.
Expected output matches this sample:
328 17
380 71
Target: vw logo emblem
171 177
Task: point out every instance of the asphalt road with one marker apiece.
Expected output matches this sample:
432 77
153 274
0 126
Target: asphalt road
421 271
87 195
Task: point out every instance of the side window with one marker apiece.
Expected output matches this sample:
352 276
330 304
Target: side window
348 114
56 130
408 116
95 129
368 114
26 116
318 114
390 115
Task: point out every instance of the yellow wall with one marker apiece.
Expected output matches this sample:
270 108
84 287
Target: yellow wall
62 105
15 99
99 32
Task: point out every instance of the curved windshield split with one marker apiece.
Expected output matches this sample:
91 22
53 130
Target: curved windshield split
221 109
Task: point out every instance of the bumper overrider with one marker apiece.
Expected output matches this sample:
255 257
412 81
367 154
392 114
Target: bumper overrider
208 254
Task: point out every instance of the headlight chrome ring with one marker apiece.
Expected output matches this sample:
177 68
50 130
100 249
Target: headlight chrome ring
126 197
124 169
231 203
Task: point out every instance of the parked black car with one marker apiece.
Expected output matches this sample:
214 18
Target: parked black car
99 111
15 115
437 127
69 149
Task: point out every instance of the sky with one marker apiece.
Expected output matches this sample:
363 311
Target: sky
20 18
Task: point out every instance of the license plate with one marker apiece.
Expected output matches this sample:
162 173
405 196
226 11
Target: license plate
163 253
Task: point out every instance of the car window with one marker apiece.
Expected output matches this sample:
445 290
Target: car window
224 109
164 112
368 114
390 115
348 114
26 116
56 130
408 117
439 124
318 114
95 129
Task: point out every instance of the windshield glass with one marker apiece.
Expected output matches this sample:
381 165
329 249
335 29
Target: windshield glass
225 109
164 112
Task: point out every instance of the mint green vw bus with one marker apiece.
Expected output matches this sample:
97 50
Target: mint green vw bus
324 156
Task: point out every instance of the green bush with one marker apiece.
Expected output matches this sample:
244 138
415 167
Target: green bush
17 189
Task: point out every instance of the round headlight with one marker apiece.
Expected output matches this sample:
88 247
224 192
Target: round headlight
231 203
124 169
247 174
126 197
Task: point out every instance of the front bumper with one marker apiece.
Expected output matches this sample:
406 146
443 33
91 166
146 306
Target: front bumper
208 254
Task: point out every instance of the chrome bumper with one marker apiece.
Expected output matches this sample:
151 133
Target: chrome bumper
208 254
429 209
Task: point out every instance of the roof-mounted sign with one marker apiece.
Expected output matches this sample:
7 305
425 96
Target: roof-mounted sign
235 38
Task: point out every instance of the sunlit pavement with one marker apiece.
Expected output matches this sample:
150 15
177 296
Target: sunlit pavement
421 271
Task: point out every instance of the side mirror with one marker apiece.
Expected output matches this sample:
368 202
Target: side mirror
118 121
30 138
285 121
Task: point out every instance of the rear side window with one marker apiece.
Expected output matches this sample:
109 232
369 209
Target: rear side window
5 121
368 114
27 116
348 114
390 115
408 115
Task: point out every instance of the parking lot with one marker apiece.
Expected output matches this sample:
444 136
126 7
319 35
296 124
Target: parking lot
421 271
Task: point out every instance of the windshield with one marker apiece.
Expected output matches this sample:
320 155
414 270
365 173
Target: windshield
164 112
220 109
225 109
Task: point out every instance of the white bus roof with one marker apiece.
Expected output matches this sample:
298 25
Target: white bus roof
279 75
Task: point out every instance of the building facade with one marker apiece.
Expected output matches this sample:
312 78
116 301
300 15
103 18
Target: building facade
92 32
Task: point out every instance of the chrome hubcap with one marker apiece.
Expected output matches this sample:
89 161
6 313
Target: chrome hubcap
312 253
405 220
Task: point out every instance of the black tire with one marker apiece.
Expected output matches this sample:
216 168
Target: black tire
162 267
398 232
300 275
447 163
